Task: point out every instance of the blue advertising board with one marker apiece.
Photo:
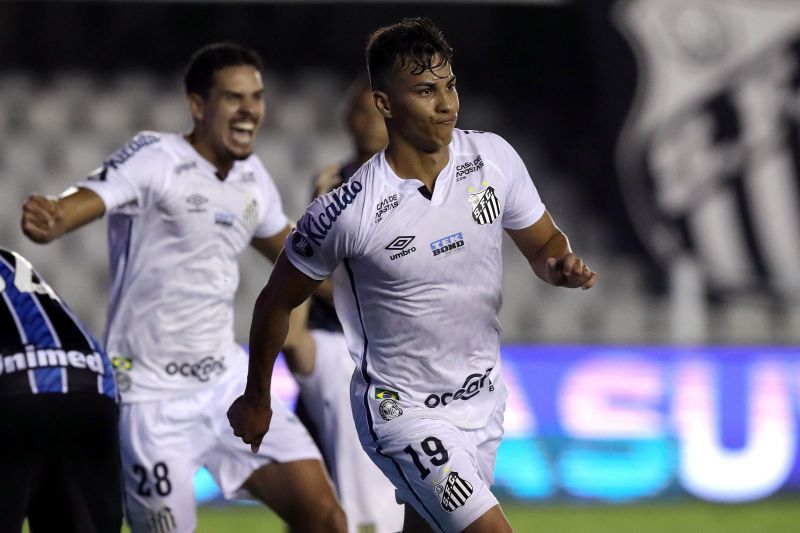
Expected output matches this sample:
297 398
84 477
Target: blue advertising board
623 423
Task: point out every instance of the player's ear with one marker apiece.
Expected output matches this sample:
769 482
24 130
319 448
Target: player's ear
197 106
381 100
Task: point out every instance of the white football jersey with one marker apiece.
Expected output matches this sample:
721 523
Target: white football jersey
419 291
175 231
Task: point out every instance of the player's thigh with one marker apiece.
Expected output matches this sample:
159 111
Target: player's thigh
158 465
434 467
24 426
231 462
79 487
90 467
413 522
488 440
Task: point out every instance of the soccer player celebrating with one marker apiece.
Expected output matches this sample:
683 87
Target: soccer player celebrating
419 294
322 364
59 451
181 209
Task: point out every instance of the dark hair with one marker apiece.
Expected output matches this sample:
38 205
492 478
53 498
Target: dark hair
412 41
199 75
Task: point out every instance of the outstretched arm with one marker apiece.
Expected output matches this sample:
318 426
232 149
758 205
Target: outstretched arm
287 288
45 218
547 250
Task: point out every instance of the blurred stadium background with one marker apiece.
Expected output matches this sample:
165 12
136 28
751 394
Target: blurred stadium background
664 136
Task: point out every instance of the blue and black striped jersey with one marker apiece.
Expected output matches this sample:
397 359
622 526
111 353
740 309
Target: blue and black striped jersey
44 348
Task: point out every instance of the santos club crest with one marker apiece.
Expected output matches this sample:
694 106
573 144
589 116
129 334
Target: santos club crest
453 492
485 206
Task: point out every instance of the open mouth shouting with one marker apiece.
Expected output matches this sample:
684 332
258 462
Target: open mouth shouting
243 132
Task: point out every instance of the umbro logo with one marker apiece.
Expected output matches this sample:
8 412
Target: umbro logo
197 201
400 244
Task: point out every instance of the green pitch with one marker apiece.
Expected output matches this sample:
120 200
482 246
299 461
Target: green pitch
780 515
777 515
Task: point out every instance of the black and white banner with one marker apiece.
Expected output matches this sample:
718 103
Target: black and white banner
710 155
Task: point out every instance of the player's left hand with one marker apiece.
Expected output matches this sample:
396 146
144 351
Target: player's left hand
570 271
250 421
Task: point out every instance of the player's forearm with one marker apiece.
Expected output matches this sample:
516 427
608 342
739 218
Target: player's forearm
46 218
267 334
299 349
557 246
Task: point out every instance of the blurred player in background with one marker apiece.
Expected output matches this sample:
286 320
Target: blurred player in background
419 295
322 365
59 451
181 209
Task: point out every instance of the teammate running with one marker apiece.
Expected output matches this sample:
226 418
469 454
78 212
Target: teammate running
419 293
322 365
181 210
59 451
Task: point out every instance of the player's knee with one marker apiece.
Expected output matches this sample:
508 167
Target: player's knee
336 520
492 521
327 516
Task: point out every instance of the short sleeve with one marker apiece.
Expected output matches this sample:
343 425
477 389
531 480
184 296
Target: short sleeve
128 178
523 206
325 234
272 219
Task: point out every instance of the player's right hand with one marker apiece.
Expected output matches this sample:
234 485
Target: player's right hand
40 218
250 421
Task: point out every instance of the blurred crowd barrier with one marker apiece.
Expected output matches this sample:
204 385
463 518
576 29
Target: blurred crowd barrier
58 128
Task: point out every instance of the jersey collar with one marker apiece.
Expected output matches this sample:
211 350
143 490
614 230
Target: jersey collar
411 185
204 163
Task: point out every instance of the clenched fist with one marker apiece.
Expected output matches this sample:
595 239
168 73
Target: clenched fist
570 271
250 421
41 216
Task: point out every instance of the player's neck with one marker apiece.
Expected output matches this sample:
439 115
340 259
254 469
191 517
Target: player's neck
410 163
362 156
209 154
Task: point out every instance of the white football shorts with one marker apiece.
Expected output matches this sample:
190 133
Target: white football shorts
163 443
366 495
443 471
